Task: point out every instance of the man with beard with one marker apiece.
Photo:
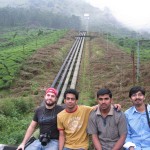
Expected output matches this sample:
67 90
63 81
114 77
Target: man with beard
46 118
106 125
138 121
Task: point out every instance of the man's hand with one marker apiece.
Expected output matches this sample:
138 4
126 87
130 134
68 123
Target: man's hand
117 107
129 145
21 147
95 107
131 148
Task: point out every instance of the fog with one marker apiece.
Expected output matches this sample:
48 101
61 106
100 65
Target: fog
133 13
116 13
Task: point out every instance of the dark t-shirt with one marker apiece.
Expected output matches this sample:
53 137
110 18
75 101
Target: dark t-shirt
47 120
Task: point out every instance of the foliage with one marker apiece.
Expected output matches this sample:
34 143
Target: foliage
15 115
11 107
13 55
130 44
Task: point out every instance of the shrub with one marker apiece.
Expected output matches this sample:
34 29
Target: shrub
15 128
16 107
3 121
15 116
24 105
7 108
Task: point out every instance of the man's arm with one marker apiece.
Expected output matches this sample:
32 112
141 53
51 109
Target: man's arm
28 134
120 142
61 139
116 106
96 142
128 142
122 128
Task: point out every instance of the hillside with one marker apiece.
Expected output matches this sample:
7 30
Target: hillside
50 13
108 65
103 65
40 69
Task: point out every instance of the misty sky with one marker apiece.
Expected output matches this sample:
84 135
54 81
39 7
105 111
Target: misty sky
133 13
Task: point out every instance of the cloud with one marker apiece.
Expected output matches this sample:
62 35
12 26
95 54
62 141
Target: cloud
133 13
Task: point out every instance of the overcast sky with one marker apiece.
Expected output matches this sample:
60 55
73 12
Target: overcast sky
133 13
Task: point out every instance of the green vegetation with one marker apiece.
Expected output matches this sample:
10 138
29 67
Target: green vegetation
85 81
15 116
131 44
18 45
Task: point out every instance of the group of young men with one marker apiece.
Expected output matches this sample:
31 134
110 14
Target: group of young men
69 128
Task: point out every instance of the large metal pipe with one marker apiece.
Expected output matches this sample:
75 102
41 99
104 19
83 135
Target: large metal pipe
65 85
75 75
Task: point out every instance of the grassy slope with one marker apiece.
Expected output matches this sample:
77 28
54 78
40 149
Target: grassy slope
109 66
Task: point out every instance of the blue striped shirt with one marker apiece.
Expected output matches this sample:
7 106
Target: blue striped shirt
138 128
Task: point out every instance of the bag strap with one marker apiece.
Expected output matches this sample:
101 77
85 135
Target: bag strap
148 119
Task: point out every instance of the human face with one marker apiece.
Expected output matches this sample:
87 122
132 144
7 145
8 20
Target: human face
137 99
70 101
50 99
105 102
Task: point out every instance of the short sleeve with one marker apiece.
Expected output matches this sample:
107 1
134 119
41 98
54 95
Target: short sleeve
35 117
59 123
122 127
91 128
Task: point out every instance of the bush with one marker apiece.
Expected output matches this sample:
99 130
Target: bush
13 129
7 108
3 122
24 105
15 116
16 107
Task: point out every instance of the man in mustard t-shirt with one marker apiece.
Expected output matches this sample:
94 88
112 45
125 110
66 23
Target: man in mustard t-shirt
72 123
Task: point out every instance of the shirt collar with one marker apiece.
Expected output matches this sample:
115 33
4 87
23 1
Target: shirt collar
134 109
110 113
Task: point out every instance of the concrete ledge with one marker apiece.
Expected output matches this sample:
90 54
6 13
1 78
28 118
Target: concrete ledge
6 147
2 146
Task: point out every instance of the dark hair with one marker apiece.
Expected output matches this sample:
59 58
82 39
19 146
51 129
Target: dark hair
103 92
136 89
71 91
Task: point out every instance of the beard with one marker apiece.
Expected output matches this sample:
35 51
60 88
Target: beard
105 107
49 104
138 102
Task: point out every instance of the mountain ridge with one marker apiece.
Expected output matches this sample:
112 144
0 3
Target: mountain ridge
68 8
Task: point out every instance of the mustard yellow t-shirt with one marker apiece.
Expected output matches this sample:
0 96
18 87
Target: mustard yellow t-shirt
74 125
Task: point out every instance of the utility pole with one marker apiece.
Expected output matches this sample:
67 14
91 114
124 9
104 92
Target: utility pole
133 65
138 61
107 41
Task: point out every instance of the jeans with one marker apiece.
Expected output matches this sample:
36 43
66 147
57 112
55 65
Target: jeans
36 145
73 149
